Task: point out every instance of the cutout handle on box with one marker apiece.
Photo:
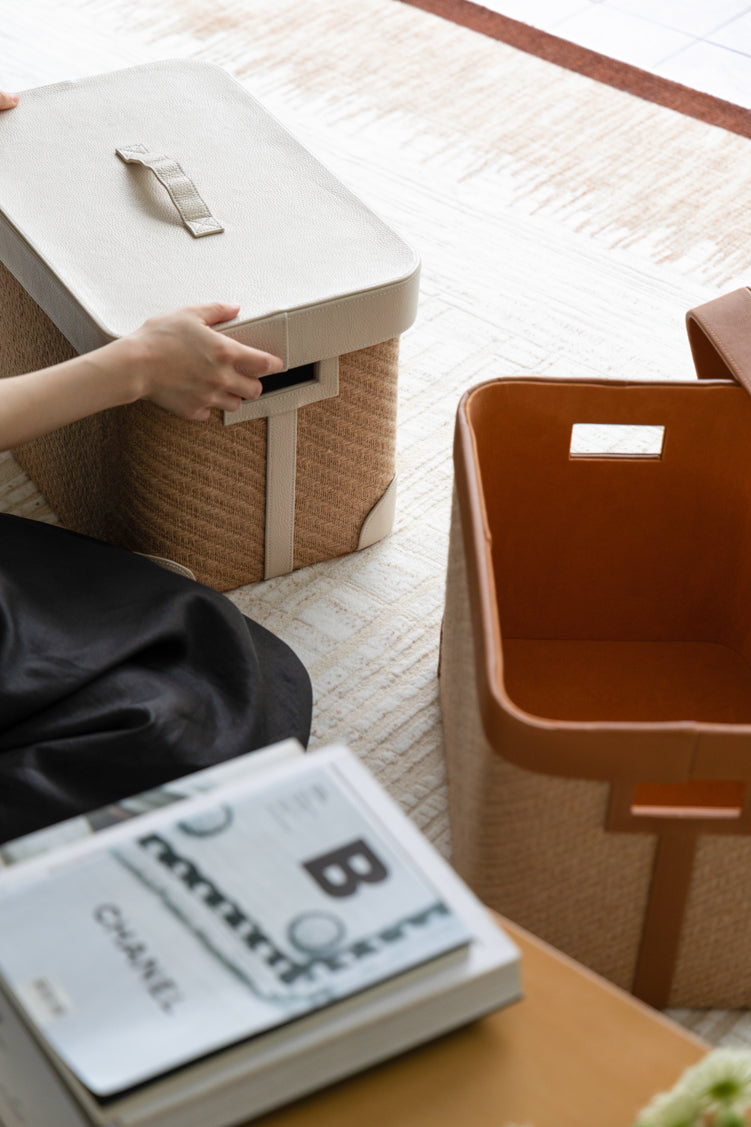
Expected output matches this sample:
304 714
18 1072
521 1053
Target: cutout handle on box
192 209
292 377
616 440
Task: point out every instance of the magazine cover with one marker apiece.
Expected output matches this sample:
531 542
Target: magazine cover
221 917
49 838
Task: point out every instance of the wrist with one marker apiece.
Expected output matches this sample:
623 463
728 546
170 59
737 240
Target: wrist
123 364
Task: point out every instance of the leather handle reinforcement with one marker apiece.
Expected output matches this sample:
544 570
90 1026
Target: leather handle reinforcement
719 333
192 209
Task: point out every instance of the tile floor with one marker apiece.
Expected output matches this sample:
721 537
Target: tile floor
703 44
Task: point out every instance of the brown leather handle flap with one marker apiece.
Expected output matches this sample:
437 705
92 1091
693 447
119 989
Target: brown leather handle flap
719 333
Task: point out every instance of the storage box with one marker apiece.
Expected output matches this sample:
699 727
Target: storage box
596 675
92 246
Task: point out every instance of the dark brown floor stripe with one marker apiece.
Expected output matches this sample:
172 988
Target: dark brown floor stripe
705 107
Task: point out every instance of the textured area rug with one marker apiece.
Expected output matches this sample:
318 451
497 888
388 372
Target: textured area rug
564 53
565 227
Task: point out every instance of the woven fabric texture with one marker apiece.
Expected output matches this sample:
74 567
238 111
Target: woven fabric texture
531 845
146 480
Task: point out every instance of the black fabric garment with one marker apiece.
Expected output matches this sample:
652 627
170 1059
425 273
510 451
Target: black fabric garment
117 675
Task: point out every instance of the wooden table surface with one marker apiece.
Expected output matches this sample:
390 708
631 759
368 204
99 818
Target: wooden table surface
576 1052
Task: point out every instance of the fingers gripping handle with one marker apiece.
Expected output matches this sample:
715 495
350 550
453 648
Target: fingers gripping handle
193 210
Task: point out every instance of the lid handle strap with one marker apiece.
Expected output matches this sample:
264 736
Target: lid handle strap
193 211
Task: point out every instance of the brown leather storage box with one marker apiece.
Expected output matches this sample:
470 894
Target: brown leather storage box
596 672
91 245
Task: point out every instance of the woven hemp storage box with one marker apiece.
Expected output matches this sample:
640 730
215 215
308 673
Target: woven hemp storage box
596 668
92 246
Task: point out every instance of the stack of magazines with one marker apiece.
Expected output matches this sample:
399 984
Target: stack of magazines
233 940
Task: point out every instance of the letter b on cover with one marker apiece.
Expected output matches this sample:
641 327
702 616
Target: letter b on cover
343 870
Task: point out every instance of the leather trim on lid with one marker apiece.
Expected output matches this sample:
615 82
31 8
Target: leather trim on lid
296 241
48 291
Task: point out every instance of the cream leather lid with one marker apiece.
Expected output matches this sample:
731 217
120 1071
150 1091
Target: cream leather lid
100 245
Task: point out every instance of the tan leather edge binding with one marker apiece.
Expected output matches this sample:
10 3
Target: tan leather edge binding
281 463
169 565
663 917
670 884
719 337
655 751
300 335
380 520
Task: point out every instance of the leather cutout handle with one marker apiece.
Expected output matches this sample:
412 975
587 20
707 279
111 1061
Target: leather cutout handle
719 333
192 209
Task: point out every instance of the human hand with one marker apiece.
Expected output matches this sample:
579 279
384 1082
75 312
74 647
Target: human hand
186 367
8 101
177 360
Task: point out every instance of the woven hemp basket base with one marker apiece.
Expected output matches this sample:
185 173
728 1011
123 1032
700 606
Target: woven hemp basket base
146 480
534 847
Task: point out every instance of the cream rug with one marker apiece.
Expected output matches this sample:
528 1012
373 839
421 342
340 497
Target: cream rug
564 226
